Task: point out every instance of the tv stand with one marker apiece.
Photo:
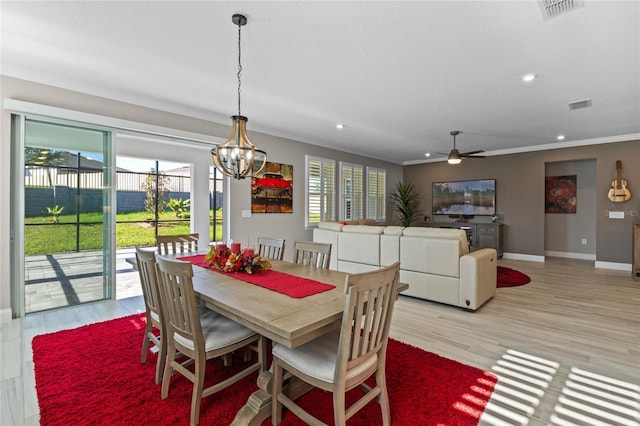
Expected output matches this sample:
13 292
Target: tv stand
479 235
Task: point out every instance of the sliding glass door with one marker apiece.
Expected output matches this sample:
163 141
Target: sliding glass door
68 229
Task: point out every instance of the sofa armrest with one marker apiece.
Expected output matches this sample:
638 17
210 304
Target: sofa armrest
478 277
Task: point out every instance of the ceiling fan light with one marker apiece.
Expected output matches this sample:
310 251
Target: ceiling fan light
454 156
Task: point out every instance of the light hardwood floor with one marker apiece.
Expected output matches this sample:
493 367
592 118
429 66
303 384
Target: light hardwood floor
566 347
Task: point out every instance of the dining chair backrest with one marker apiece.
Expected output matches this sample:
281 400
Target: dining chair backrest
146 263
346 358
200 334
168 244
366 320
271 248
179 300
311 253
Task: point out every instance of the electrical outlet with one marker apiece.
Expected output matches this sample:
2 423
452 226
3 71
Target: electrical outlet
584 241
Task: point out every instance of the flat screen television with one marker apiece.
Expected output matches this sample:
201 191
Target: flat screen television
464 198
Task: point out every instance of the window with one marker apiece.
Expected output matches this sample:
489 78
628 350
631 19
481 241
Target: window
320 190
376 194
351 191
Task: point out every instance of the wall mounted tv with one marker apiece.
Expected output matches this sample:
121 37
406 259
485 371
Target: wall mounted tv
464 198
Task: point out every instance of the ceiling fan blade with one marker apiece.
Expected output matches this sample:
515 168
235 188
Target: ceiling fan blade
466 154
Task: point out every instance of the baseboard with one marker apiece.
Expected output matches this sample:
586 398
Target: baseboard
569 255
598 264
518 256
614 265
5 315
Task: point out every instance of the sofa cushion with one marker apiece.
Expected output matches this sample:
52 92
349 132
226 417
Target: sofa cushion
437 256
363 229
360 244
444 233
393 230
390 245
330 226
431 287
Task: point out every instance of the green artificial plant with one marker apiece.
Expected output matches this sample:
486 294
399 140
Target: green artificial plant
407 202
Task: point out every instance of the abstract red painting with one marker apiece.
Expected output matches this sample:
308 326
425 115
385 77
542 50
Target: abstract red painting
560 194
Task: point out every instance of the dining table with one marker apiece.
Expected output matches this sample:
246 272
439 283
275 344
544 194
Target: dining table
286 320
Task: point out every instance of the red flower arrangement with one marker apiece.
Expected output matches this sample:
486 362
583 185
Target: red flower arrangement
246 261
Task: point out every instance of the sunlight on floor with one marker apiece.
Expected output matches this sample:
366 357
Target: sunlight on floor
522 382
586 398
589 398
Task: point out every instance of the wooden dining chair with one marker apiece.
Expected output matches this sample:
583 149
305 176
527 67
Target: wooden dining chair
345 358
185 243
198 334
310 253
271 248
146 263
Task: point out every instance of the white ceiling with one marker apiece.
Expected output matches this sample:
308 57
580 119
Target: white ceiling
399 75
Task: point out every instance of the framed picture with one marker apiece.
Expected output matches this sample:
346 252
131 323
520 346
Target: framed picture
560 194
272 189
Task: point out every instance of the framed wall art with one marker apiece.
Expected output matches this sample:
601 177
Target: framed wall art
560 194
272 189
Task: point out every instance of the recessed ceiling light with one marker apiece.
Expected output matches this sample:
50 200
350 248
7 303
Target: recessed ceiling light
428 154
560 137
339 126
528 77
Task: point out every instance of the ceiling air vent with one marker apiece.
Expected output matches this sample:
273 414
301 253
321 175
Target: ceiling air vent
552 8
586 103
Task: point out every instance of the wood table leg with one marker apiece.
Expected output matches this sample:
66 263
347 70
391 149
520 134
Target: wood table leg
258 406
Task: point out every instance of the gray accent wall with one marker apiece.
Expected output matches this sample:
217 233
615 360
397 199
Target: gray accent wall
520 194
563 233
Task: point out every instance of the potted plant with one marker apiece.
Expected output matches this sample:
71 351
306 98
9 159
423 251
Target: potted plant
407 202
55 211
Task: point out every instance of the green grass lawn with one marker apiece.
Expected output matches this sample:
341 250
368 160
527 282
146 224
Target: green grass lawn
131 229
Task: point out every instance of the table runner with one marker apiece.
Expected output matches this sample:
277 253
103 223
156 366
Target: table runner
290 285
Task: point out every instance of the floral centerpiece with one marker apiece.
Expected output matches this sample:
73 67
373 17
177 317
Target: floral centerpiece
244 261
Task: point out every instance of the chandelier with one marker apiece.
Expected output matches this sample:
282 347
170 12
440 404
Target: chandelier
238 157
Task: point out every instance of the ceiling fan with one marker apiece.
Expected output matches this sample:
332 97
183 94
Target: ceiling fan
455 156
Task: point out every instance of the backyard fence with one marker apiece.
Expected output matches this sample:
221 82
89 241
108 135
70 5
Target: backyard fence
81 189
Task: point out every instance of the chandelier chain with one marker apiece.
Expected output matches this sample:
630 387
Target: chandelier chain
239 68
238 156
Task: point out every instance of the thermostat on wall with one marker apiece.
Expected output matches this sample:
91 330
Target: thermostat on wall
616 215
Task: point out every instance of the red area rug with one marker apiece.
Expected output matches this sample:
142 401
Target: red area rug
508 277
92 375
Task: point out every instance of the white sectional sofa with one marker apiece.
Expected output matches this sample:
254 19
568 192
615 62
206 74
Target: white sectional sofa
435 262
327 232
359 248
